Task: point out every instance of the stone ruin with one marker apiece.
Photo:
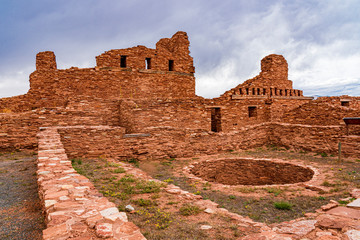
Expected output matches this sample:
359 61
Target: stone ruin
141 103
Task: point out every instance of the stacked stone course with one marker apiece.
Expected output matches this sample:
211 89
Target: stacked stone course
74 208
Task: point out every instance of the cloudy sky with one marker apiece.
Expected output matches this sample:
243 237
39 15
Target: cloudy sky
319 38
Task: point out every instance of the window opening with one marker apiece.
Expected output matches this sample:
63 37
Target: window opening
345 103
215 119
240 91
247 91
123 61
147 63
171 65
252 112
264 91
258 91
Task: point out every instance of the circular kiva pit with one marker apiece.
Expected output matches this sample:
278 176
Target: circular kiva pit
251 172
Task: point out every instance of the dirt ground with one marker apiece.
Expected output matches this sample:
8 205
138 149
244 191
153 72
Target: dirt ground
21 217
163 211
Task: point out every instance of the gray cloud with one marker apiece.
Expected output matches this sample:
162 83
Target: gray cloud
320 39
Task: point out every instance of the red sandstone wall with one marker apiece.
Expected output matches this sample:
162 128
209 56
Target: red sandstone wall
314 138
18 130
109 84
14 104
323 111
140 115
271 82
175 48
166 143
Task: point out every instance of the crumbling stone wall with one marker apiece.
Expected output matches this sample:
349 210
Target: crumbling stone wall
316 138
323 111
271 82
174 49
168 142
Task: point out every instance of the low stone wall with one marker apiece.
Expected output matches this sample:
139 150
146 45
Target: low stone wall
84 141
162 142
74 208
315 138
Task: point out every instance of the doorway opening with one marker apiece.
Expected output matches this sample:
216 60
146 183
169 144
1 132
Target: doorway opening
215 119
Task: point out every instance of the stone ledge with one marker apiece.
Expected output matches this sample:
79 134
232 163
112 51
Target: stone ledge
73 207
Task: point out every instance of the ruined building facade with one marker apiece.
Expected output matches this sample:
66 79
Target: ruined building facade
140 102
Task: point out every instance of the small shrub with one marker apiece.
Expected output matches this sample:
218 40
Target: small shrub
143 202
156 217
282 205
166 163
188 209
327 184
127 178
232 197
149 186
246 189
275 191
119 170
133 161
169 180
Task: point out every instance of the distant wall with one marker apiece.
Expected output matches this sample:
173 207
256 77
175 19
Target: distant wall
172 143
165 143
60 85
324 111
314 138
18 130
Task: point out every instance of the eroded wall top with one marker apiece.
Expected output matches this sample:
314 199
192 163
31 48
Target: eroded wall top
171 54
271 82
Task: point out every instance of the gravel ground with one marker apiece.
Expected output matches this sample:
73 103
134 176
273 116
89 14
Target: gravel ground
21 216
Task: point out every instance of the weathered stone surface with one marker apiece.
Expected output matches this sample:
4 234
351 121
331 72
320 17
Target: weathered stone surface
205 227
329 206
345 212
332 222
354 204
353 234
300 228
58 232
355 193
104 230
328 238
